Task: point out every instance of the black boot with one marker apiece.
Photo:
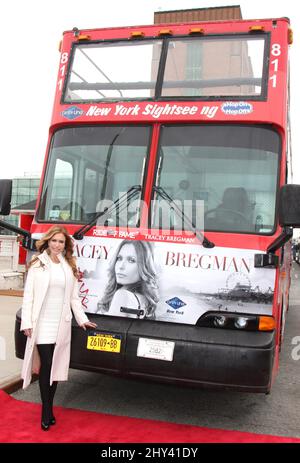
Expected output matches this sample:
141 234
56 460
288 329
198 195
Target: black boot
52 394
46 354
45 426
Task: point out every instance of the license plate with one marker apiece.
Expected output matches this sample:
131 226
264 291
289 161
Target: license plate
104 342
156 349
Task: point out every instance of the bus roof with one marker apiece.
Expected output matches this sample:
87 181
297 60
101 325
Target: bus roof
151 26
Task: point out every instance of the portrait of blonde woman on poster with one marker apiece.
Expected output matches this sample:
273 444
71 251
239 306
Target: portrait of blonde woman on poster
51 291
132 289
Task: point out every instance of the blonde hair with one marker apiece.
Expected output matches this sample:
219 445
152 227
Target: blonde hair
43 245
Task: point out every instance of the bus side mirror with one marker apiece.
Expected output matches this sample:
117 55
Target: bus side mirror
5 196
289 206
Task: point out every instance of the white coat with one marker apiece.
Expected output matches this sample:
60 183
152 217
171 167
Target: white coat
35 291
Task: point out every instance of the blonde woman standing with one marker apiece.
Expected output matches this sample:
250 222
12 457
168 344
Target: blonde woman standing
50 292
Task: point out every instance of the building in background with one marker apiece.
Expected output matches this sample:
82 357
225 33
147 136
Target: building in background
192 63
23 205
220 13
24 195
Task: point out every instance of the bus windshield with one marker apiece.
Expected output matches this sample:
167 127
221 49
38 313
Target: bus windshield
230 170
177 67
89 168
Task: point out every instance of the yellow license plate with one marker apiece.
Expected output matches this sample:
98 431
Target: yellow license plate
104 342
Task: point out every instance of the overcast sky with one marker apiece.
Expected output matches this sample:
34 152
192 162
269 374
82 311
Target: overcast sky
30 33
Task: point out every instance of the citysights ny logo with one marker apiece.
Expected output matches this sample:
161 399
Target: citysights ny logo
72 112
176 303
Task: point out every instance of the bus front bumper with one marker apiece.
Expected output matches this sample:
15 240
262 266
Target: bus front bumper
208 357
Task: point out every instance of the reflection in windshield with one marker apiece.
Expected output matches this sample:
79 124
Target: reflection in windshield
231 170
214 66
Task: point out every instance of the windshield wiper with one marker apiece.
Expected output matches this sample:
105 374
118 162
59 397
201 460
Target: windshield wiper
108 159
205 242
117 204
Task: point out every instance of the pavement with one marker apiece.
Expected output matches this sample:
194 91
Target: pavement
277 413
10 366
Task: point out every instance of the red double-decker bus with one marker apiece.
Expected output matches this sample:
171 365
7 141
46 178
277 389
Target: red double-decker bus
167 161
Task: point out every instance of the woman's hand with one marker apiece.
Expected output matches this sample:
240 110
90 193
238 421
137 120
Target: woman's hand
88 325
28 332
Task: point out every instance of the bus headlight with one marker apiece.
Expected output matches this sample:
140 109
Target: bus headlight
241 323
220 321
237 321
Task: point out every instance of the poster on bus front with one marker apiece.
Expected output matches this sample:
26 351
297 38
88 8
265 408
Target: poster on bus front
168 281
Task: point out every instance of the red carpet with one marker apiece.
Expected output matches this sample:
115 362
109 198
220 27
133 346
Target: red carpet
20 422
